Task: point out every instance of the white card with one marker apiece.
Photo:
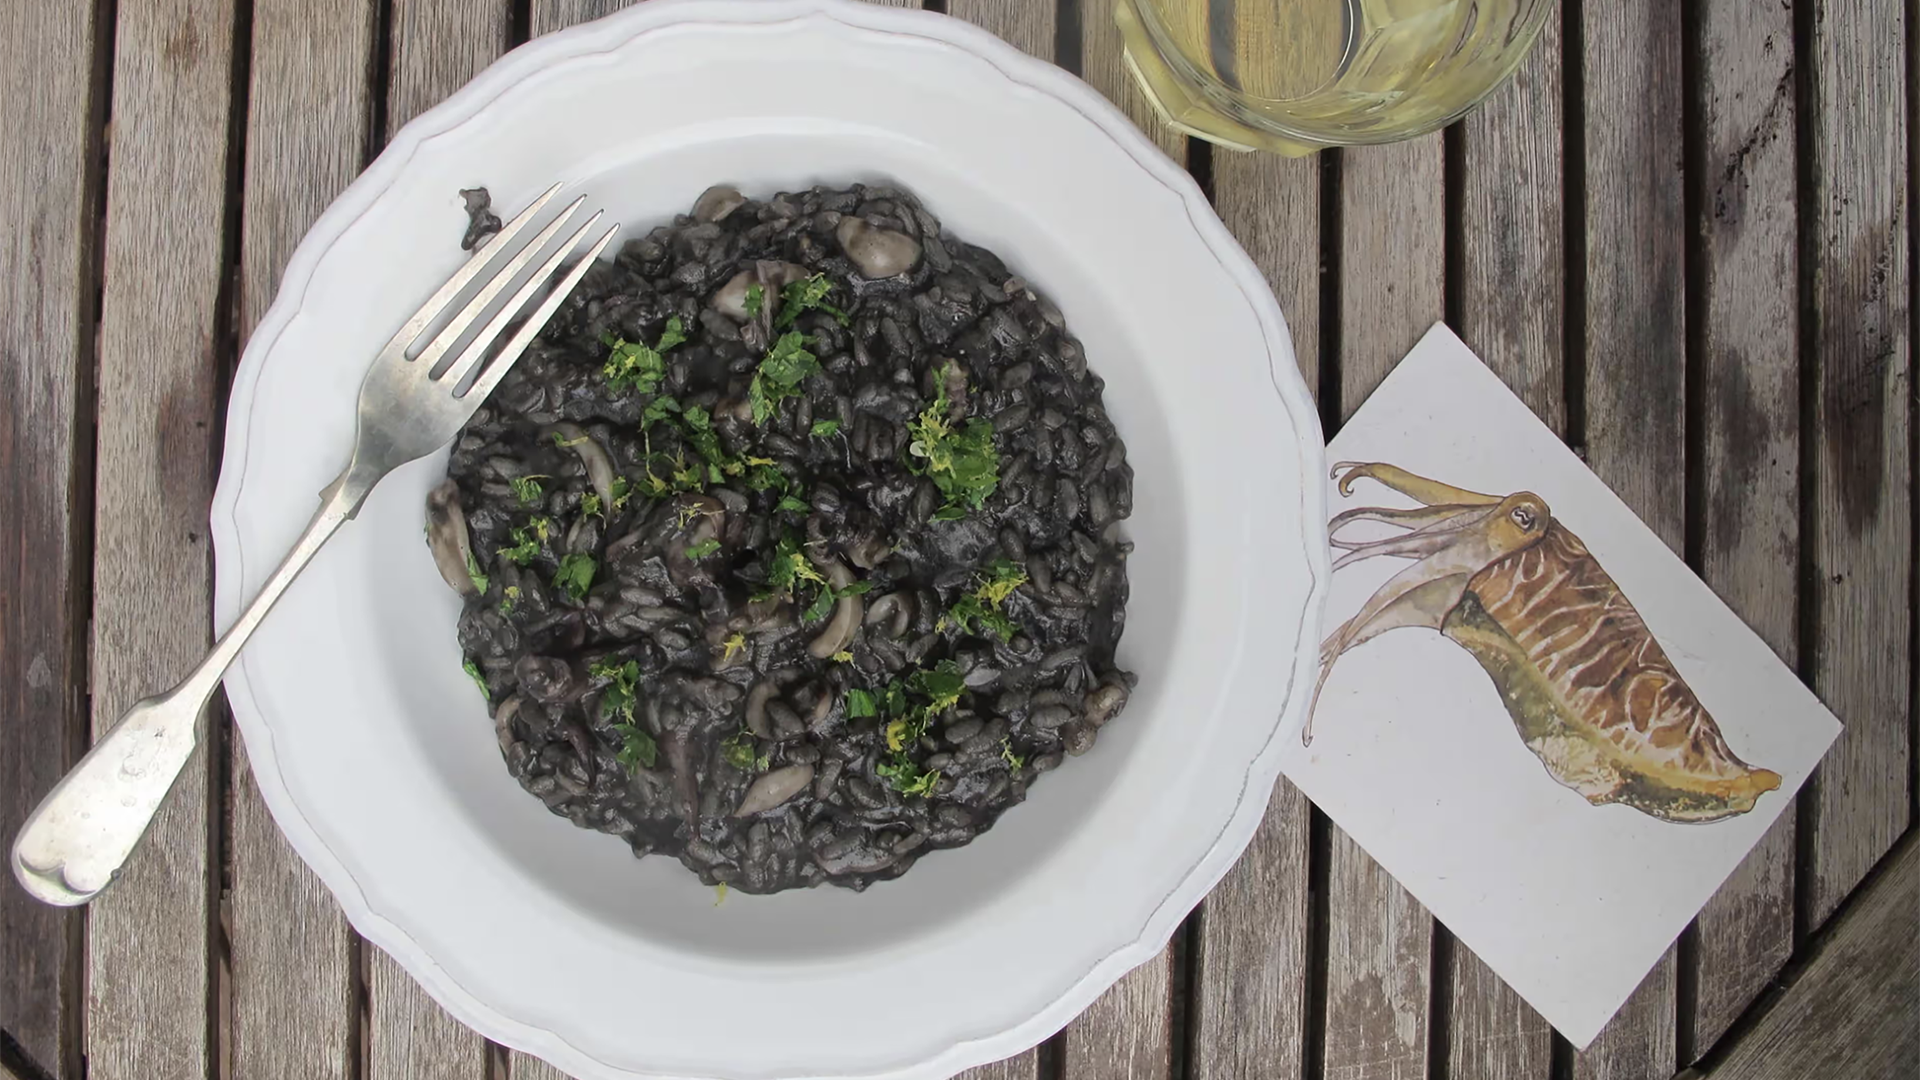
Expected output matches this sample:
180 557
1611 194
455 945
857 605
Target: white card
1564 769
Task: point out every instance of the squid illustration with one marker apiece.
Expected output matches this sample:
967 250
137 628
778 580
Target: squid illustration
1589 689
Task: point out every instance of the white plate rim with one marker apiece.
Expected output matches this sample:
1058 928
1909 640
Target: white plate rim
469 103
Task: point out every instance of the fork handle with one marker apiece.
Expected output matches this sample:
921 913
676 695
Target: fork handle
74 843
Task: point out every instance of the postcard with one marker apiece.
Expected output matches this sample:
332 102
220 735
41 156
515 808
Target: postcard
1529 710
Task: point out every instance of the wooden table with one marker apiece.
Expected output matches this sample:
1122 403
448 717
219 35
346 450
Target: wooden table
1682 235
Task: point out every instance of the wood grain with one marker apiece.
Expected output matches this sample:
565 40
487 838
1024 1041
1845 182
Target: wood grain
1750 370
289 946
546 16
1511 304
1030 25
1103 66
1635 348
147 940
1861 533
438 45
1512 259
527 1067
1393 258
47 238
1272 206
1127 1033
1249 1001
1393 287
412 1037
1855 1009
1493 1035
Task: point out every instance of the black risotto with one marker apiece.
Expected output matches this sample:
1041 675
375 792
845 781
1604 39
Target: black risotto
789 548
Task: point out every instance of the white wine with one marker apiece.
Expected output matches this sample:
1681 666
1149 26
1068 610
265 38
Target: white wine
1296 75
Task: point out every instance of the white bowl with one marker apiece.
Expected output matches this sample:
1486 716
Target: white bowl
376 755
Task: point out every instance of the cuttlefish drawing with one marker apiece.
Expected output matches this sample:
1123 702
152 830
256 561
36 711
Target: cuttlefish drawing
1589 689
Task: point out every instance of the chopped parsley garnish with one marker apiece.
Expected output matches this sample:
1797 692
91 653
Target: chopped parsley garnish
907 720
825 429
659 409
473 672
703 549
527 488
565 443
962 462
756 296
806 295
526 541
476 575
780 375
982 605
575 575
1007 755
637 748
634 366
622 692
798 506
622 490
739 751
822 604
590 504
512 598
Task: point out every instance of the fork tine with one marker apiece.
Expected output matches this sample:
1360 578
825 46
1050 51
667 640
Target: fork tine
476 349
502 363
482 255
449 335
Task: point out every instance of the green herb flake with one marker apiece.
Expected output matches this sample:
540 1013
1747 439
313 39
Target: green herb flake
779 377
637 748
703 549
622 490
590 504
822 604
622 691
739 751
512 597
906 777
1013 760
660 408
527 488
982 606
632 365
825 429
473 672
860 704
756 296
962 462
807 294
575 575
526 542
476 575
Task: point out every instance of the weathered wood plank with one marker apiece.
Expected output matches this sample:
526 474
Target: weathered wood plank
1861 532
1030 25
47 239
1248 1007
1855 1009
546 16
412 1037
1511 310
1393 258
1103 66
1748 348
148 953
289 945
1393 287
1635 348
1127 1033
437 48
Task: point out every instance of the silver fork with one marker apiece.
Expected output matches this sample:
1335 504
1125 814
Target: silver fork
76 840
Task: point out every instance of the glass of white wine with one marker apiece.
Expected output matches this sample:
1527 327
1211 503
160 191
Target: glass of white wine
1292 76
